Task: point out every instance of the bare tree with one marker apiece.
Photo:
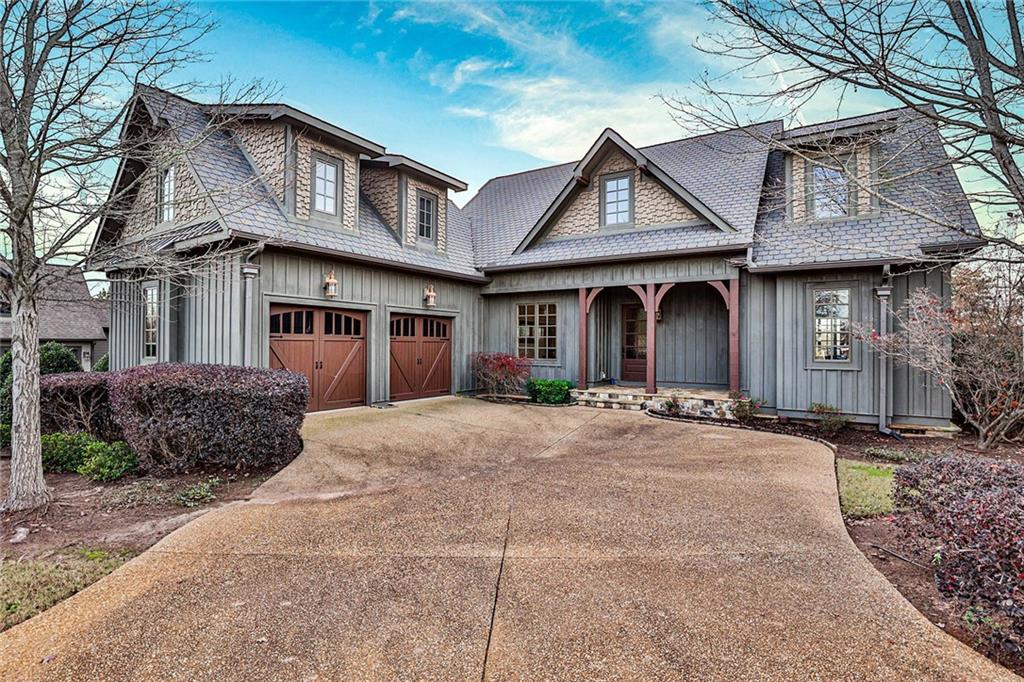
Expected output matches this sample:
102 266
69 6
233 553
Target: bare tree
972 349
952 63
71 72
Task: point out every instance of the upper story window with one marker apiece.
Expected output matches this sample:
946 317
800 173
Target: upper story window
832 332
830 191
617 199
426 216
150 320
165 195
325 186
5 306
537 331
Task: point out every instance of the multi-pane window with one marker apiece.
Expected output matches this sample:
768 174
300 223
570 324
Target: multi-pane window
325 187
426 216
165 200
617 200
537 331
832 332
150 321
830 192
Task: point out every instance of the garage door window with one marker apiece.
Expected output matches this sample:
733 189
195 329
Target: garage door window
537 331
293 322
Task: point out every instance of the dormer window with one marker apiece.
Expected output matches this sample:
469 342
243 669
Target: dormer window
426 216
165 195
830 191
617 199
325 186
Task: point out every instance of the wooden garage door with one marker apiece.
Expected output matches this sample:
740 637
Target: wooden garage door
421 356
328 346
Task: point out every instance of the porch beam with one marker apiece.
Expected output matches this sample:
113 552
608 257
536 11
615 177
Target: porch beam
734 334
650 305
581 383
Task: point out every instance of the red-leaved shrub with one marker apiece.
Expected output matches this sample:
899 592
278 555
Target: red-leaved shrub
75 402
500 373
177 417
968 512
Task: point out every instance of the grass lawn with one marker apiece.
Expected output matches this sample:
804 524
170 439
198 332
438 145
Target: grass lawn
864 489
30 586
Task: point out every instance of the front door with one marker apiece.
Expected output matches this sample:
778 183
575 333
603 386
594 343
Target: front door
327 346
421 357
634 343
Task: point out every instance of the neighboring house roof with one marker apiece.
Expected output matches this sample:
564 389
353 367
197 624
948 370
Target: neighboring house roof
66 309
724 177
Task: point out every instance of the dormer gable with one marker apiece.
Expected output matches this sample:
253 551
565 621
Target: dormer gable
615 186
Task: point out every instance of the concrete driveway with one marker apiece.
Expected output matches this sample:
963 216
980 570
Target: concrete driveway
455 539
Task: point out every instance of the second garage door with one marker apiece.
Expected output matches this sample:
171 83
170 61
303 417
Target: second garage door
421 356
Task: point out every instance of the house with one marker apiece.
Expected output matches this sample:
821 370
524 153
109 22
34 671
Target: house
732 260
68 314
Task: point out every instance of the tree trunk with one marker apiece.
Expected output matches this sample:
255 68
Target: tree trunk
27 488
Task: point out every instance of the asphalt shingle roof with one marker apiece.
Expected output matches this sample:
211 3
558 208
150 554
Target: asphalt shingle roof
66 310
731 172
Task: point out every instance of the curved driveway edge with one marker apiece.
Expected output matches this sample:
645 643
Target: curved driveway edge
433 539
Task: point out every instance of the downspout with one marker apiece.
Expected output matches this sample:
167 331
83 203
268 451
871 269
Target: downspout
884 292
250 271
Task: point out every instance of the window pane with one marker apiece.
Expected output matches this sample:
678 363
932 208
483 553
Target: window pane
832 325
536 332
831 192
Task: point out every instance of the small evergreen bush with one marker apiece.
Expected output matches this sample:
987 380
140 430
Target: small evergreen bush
104 462
64 452
830 420
549 391
102 365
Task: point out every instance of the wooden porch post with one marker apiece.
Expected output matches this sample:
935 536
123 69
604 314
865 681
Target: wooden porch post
734 334
652 333
582 382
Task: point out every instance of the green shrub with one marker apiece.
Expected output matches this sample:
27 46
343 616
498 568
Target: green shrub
65 452
197 494
53 359
893 455
101 365
830 420
5 435
744 408
549 391
105 462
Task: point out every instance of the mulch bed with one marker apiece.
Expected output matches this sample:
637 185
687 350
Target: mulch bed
128 515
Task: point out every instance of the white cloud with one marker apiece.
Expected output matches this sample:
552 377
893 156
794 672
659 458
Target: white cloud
451 79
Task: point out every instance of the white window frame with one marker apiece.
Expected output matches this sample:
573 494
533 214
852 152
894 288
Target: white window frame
150 321
166 194
422 196
316 162
617 178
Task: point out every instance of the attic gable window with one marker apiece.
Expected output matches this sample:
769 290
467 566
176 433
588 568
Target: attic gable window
617 199
830 191
325 186
165 195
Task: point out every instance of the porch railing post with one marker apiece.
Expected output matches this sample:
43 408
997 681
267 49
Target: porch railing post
582 383
651 307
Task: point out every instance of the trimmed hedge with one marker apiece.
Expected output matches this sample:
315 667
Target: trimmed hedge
177 417
53 359
77 401
968 513
549 391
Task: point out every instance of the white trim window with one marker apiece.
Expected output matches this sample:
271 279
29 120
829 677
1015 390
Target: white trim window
426 216
150 321
325 187
165 198
537 331
833 334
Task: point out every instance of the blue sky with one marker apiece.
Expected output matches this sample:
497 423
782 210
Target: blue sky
475 89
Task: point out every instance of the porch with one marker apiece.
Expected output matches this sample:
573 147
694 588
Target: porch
659 339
